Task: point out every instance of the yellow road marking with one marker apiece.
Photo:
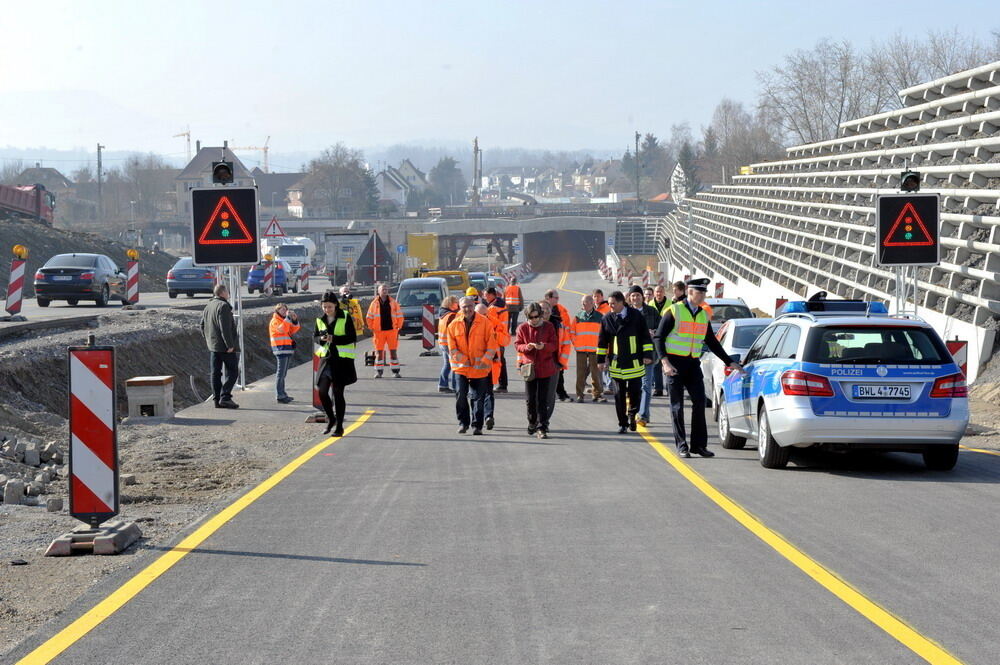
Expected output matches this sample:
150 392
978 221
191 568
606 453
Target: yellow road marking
104 609
562 283
980 450
894 626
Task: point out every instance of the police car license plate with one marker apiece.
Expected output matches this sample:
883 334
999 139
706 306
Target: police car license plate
867 391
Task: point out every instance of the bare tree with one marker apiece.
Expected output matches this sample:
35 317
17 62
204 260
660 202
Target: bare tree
338 181
738 138
10 170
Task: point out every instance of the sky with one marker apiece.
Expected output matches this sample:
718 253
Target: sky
554 75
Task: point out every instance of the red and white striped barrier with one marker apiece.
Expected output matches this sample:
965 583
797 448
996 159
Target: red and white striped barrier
304 278
645 278
778 302
959 350
428 320
93 448
719 289
659 279
268 287
15 287
132 282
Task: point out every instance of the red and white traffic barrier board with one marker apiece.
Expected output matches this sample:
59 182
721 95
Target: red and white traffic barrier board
15 287
645 278
719 289
132 282
268 285
304 278
778 302
429 327
959 350
93 446
659 279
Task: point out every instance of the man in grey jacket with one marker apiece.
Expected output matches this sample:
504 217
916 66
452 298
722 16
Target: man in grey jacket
222 339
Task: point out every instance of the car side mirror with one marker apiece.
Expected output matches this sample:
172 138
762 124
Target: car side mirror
736 357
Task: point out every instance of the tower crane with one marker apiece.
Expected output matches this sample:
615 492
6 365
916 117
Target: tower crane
187 135
263 149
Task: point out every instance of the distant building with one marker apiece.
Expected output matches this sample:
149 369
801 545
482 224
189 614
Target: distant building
274 191
392 188
413 176
50 178
198 173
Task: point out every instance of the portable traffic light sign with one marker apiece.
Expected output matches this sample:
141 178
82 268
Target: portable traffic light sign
224 226
907 230
222 173
909 181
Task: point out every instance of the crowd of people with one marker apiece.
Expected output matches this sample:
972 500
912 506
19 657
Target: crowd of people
628 346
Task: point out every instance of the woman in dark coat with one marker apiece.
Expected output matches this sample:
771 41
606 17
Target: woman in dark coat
336 337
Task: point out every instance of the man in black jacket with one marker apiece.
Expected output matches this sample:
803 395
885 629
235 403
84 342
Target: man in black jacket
222 339
624 345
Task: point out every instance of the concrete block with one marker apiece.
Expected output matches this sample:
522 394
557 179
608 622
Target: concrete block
110 538
29 500
47 450
43 477
3 480
13 490
54 504
31 457
57 457
150 396
34 489
127 479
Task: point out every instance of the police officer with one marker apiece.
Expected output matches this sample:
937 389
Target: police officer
683 329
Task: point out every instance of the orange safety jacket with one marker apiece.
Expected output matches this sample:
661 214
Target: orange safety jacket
443 329
512 296
472 354
586 329
280 330
375 314
565 346
604 308
501 319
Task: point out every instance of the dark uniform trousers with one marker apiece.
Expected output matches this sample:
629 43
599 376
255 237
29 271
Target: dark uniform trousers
630 391
688 377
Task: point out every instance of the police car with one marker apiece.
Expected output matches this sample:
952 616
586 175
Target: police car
844 375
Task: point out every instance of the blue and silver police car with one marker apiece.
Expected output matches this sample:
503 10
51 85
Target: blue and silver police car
845 375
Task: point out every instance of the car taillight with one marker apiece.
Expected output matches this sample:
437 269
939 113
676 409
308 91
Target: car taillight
170 274
727 370
86 275
794 382
39 276
953 385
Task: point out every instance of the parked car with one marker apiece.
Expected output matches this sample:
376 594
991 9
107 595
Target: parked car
844 375
284 278
724 309
736 336
478 281
416 292
499 282
458 280
76 277
185 277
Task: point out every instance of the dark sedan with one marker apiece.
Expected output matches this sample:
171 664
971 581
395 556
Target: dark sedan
184 277
76 277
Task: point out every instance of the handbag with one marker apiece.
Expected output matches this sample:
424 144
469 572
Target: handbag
527 371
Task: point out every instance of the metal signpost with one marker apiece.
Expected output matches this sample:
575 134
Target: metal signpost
906 238
226 232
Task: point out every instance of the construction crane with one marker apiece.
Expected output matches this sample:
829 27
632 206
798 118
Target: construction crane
263 149
187 135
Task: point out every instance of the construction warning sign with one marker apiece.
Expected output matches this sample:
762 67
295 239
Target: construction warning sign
224 226
907 230
273 229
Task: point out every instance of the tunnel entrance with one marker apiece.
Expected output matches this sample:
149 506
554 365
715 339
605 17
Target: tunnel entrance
558 251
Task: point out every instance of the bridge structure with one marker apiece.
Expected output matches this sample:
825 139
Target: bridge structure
807 222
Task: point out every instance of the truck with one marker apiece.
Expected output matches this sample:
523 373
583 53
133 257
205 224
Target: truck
342 249
32 202
297 251
421 252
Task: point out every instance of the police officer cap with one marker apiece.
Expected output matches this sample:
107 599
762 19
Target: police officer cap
698 284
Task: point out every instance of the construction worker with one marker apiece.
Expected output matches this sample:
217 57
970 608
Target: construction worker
625 347
637 300
565 329
660 303
446 313
281 329
600 304
354 307
586 328
385 318
515 303
472 292
499 313
503 338
471 346
683 330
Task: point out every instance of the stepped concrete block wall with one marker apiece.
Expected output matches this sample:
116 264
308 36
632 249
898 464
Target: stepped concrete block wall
807 222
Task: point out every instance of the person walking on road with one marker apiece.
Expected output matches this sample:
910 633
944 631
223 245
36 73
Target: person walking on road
625 347
683 330
652 319
515 302
355 308
537 343
502 337
564 326
281 330
336 340
471 346
586 329
222 339
660 303
499 313
447 382
679 291
600 304
385 319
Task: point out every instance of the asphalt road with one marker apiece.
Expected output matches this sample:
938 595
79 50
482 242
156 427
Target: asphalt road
405 542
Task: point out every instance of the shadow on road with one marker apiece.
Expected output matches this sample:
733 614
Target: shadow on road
294 557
